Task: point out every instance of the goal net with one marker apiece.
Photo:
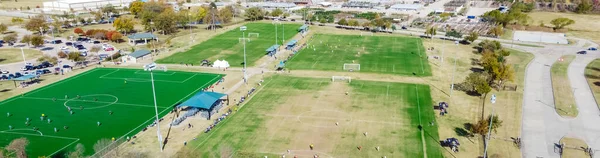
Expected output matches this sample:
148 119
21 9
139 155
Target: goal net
352 67
242 39
366 33
255 34
341 78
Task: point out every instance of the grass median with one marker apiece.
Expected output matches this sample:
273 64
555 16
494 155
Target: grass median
564 102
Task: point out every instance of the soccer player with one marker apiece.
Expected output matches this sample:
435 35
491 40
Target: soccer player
55 130
110 112
8 114
49 120
311 146
98 123
9 127
126 79
54 99
66 96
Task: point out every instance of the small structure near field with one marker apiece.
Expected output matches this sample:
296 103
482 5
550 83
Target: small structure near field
206 103
291 44
303 28
135 56
141 38
271 51
220 64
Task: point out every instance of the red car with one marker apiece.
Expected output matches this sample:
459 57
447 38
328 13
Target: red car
109 49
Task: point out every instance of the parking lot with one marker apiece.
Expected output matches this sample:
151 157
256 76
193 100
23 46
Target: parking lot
51 48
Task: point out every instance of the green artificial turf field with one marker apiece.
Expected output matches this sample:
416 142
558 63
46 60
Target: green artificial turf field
290 113
101 91
376 54
228 45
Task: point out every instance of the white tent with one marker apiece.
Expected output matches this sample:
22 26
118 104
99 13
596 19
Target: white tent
221 64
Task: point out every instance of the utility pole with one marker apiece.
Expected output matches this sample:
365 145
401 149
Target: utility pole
453 72
243 29
487 141
23 54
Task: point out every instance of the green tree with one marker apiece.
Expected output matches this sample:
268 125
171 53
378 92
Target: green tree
49 59
124 24
200 13
454 34
36 23
482 126
322 20
165 22
472 37
489 45
366 24
343 22
285 15
16 20
584 7
75 56
477 82
277 12
394 28
497 31
226 14
431 31
150 12
560 23
136 7
3 28
10 38
353 22
37 40
254 13
522 7
116 37
109 9
26 39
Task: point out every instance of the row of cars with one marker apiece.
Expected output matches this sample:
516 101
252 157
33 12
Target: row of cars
42 68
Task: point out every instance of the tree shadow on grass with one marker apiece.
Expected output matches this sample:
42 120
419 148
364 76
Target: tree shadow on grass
592 76
597 83
5 90
594 68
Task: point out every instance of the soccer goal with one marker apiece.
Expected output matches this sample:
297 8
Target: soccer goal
250 34
352 67
241 39
366 33
341 78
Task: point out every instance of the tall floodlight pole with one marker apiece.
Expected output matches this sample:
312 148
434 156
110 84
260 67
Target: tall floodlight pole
283 32
453 72
275 23
243 29
23 54
190 18
151 67
487 142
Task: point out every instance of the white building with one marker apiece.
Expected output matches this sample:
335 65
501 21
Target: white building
406 7
82 5
135 56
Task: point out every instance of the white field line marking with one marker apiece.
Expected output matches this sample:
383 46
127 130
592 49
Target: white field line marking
63 147
140 105
61 81
217 77
109 73
145 72
188 78
420 58
422 130
138 79
227 120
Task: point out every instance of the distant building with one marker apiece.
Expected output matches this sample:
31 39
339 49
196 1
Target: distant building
358 4
406 7
135 56
272 5
83 5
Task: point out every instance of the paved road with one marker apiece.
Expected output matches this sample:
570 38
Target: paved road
542 127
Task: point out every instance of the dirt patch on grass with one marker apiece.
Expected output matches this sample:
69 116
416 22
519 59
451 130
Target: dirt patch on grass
564 101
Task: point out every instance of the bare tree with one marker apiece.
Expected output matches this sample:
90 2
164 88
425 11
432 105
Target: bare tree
103 147
78 152
18 146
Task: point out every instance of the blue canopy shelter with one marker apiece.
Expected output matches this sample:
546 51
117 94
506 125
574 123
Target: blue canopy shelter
24 78
204 100
291 44
272 50
303 28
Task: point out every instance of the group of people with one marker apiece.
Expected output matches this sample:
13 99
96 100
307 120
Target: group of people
217 121
443 106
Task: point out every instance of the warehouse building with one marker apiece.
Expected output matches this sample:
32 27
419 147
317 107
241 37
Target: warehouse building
83 5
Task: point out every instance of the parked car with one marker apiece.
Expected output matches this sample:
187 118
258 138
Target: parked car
66 66
103 56
582 52
18 74
11 76
46 64
109 49
27 68
64 48
39 72
68 43
5 72
56 42
97 42
46 71
593 48
4 77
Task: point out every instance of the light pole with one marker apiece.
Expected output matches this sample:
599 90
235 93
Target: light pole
243 29
23 54
453 72
151 67
487 142
190 18
276 38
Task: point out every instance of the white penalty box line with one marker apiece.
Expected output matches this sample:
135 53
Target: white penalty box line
147 80
74 140
156 73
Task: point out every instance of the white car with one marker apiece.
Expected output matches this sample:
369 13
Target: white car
64 48
4 72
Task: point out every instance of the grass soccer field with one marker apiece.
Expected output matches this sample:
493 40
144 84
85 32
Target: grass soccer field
228 45
291 113
376 54
127 93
